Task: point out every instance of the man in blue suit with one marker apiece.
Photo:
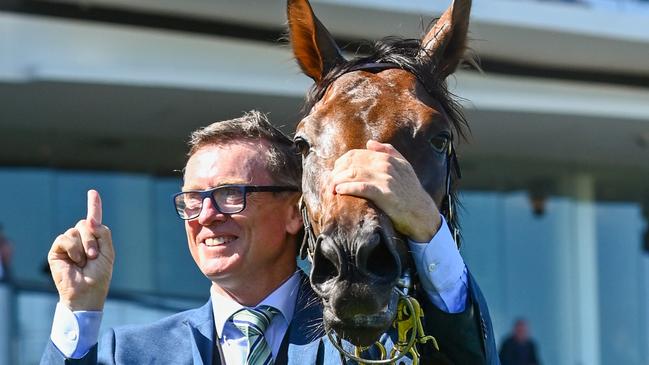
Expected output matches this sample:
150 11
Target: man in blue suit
239 205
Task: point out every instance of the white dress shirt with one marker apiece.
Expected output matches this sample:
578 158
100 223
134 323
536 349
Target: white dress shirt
441 270
233 341
439 265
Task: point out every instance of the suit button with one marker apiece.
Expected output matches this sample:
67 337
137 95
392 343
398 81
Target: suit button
71 335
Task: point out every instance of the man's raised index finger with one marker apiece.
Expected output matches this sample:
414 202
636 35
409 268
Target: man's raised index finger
94 207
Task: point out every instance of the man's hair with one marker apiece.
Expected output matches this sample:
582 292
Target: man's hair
282 161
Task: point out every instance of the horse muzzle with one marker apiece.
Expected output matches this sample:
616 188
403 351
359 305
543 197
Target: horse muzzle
355 278
372 259
361 329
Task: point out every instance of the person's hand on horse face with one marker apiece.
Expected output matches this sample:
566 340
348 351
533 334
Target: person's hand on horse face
382 175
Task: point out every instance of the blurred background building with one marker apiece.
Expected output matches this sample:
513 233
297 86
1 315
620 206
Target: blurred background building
103 93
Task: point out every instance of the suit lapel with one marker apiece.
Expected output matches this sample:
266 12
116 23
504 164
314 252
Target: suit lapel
303 341
202 332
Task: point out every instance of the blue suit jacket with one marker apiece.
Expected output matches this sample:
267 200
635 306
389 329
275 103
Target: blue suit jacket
190 338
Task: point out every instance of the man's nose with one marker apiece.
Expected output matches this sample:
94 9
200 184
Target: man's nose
209 214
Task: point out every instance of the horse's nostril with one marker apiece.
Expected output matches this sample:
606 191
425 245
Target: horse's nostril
326 261
375 258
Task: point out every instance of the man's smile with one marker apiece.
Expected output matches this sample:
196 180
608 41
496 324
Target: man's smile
219 241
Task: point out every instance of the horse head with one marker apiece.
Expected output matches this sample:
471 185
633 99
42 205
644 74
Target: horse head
395 94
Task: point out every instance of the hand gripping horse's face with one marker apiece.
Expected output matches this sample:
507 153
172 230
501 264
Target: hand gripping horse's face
396 96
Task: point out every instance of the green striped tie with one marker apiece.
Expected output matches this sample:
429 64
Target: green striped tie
253 322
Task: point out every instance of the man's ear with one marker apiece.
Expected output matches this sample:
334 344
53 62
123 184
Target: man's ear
294 217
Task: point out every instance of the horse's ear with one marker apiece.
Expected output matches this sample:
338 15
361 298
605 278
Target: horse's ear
314 48
446 42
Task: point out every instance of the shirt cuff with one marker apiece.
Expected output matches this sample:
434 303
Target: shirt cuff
75 333
441 270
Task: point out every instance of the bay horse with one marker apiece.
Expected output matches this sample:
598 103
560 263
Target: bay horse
395 94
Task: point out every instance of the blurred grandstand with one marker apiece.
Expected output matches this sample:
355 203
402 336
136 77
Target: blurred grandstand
103 94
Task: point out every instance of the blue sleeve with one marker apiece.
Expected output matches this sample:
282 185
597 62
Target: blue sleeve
441 270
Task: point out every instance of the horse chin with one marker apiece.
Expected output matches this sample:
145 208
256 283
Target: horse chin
361 329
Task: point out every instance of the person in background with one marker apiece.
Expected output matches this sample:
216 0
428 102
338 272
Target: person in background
5 256
519 348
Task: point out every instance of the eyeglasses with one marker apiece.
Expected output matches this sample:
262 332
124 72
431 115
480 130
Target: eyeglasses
227 199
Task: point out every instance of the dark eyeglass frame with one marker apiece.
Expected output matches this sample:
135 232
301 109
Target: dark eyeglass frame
244 189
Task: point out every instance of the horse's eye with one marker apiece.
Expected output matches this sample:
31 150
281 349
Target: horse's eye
301 146
440 142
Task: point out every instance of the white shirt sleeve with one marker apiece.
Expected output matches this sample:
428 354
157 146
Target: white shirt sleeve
441 270
75 333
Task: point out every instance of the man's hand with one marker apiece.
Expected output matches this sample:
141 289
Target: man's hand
81 260
381 174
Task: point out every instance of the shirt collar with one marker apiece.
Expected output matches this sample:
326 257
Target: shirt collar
282 298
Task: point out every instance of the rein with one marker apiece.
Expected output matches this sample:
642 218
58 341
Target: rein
408 320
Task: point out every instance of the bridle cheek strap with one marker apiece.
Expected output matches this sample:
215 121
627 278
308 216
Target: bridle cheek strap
308 241
449 212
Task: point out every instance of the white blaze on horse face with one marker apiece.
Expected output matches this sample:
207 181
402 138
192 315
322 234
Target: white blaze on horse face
327 147
359 90
357 84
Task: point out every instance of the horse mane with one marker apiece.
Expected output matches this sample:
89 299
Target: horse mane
403 52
